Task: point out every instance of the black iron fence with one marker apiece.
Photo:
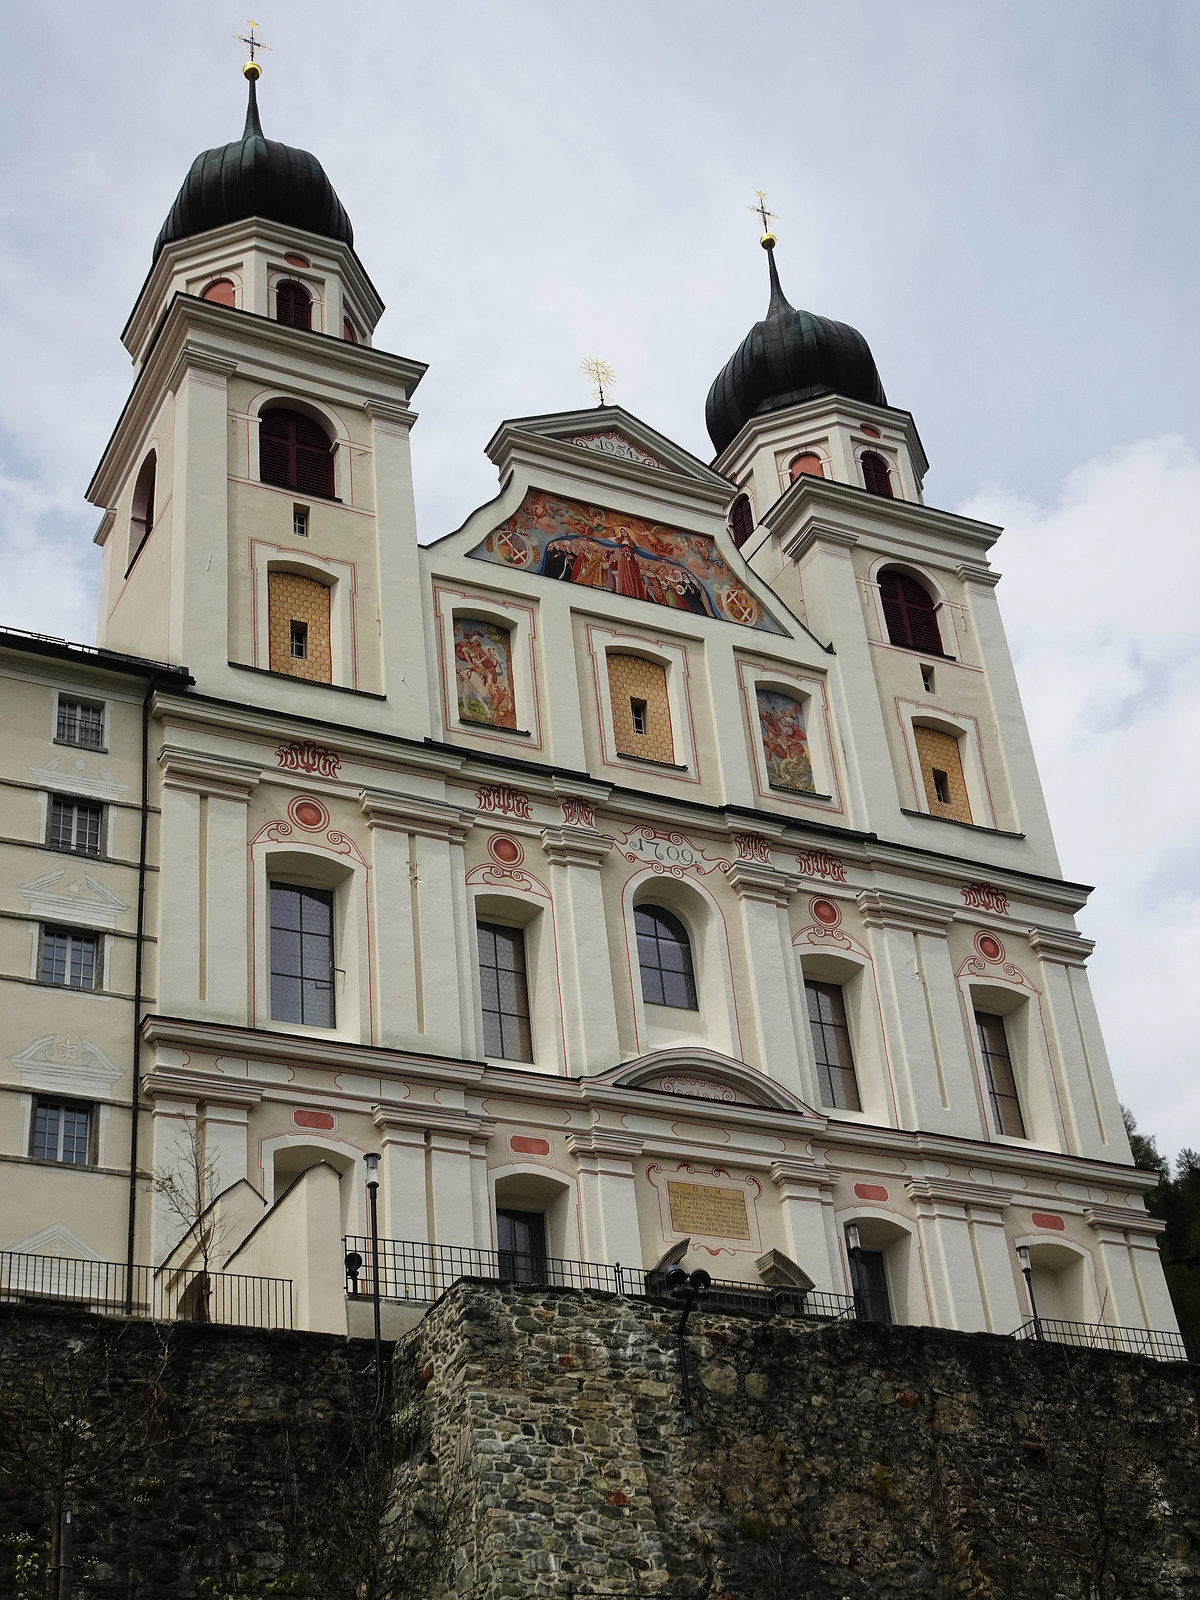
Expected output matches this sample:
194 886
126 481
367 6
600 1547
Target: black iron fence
1155 1344
417 1273
164 1294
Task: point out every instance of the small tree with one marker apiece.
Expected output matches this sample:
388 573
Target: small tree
190 1188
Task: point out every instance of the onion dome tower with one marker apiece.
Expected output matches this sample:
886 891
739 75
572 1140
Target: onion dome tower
788 357
255 177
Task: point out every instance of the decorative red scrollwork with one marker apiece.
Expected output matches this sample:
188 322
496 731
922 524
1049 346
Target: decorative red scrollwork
310 758
577 812
819 864
498 797
753 847
982 897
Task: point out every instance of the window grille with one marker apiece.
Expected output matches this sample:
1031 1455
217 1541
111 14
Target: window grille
80 722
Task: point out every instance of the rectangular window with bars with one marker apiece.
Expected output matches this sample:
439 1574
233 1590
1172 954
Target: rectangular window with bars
70 959
75 825
831 1046
302 956
1001 1080
80 722
506 1031
62 1131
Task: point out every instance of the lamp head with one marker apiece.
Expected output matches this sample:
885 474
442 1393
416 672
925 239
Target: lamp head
676 1279
853 1237
700 1281
372 1161
1023 1256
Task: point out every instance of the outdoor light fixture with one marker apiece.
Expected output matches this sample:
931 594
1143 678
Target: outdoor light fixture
853 1237
372 1164
1027 1274
684 1286
353 1268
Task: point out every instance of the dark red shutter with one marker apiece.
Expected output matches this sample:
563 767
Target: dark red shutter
741 520
910 613
294 452
293 305
149 504
876 475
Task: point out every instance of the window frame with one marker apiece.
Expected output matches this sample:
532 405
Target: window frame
995 1095
826 1086
86 703
328 898
681 940
76 802
514 934
55 930
66 1104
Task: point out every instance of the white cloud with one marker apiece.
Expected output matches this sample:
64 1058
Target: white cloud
48 560
1100 600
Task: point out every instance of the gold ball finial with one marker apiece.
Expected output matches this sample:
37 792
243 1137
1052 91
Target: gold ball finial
768 241
252 70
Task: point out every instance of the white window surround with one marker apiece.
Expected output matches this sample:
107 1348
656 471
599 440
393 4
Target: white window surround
521 621
325 417
961 726
855 976
75 797
532 912
674 659
280 272
337 576
900 1243
949 612
311 866
715 1023
1028 1050
812 692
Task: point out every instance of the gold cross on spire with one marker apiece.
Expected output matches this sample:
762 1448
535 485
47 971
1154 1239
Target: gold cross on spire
252 43
767 216
600 374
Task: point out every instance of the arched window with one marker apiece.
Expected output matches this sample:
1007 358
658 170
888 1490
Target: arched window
348 332
293 305
741 520
665 959
294 452
808 464
141 517
222 292
875 474
909 612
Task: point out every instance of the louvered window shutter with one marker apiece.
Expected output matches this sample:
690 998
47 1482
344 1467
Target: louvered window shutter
741 520
295 453
910 613
293 305
876 475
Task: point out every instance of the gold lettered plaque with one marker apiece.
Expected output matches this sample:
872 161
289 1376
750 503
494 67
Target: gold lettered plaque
719 1213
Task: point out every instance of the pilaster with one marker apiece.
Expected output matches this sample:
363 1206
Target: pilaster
806 1206
763 893
607 1195
969 1267
576 855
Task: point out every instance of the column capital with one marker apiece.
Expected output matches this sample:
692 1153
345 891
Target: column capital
197 1088
606 1145
815 534
1120 1220
957 1197
883 908
446 1130
791 1174
752 880
568 846
975 572
399 417
197 772
1056 944
401 813
212 367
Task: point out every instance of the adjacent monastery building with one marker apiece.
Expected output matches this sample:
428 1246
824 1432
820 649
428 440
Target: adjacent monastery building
656 863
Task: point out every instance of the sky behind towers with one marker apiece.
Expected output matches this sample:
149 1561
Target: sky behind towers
1001 196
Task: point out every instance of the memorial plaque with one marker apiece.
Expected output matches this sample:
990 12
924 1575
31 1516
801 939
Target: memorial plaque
718 1213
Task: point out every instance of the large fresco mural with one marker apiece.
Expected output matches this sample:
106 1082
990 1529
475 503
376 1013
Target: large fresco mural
601 549
483 671
785 742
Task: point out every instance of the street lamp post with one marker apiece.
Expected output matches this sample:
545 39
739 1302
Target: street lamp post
372 1161
1027 1274
684 1286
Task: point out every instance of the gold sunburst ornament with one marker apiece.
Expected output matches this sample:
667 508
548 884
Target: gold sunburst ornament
600 375
768 238
253 68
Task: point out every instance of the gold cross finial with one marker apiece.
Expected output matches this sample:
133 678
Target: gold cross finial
600 374
252 69
767 216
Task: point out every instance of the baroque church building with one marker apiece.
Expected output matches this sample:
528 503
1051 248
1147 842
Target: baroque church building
655 866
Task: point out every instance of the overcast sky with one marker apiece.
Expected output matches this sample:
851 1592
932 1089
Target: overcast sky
1001 196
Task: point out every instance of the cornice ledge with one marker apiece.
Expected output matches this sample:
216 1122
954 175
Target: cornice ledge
397 416
960 1191
202 1087
606 1142
1053 944
883 908
198 358
752 880
408 814
434 1119
195 772
798 543
804 1170
976 572
1098 1215
569 846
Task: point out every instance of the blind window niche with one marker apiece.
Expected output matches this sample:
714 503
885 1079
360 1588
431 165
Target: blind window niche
504 989
942 775
298 623
294 452
641 708
302 955
141 516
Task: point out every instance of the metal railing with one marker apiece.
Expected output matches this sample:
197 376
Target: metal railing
163 1294
418 1273
1157 1345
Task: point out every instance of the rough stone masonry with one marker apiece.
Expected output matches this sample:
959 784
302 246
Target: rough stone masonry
828 1460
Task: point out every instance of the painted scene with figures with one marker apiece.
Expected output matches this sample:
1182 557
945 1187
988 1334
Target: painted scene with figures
483 671
785 741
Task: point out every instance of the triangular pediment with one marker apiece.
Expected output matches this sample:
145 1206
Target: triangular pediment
609 438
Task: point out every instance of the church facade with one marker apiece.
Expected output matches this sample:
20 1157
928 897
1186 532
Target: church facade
656 863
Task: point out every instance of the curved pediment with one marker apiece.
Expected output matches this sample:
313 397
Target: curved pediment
694 1073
